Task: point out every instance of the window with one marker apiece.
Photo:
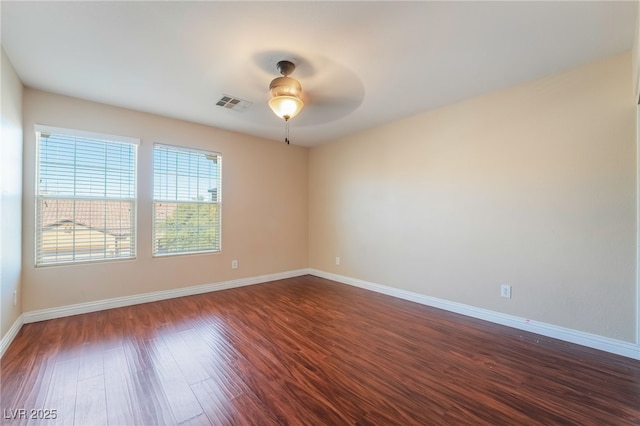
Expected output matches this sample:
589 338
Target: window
186 200
85 196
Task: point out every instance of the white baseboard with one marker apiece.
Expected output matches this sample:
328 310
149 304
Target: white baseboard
614 346
606 344
100 305
11 334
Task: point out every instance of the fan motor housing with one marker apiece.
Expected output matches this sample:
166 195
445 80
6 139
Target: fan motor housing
285 67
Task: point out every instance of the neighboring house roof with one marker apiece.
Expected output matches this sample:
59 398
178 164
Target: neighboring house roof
114 217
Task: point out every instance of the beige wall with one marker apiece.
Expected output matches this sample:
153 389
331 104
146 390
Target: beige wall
534 186
264 216
11 199
635 57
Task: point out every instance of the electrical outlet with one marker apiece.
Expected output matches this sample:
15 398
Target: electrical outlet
505 291
15 297
234 264
337 260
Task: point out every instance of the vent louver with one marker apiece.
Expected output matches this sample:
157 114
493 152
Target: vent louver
232 103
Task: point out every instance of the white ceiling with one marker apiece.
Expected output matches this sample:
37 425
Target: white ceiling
360 63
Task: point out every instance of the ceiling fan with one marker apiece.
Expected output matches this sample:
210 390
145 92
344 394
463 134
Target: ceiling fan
331 91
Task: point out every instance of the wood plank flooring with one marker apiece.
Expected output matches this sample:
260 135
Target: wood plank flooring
305 351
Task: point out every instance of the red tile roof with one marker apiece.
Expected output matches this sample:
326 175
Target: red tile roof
114 217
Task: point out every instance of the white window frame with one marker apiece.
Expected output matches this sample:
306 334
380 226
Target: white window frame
165 195
110 250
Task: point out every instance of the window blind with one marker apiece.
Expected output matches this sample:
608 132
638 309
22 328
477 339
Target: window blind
187 196
86 197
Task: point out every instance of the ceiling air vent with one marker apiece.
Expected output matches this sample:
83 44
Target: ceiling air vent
232 103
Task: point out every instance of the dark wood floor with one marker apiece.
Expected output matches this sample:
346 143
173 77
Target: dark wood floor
306 351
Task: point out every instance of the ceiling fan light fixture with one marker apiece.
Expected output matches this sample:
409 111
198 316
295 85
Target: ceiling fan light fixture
285 86
285 99
286 107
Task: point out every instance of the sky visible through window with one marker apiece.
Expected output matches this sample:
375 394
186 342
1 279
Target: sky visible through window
184 175
81 167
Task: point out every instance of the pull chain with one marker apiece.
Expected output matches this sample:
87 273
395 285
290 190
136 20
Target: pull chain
286 136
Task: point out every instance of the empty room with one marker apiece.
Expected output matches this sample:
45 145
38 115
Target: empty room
319 213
